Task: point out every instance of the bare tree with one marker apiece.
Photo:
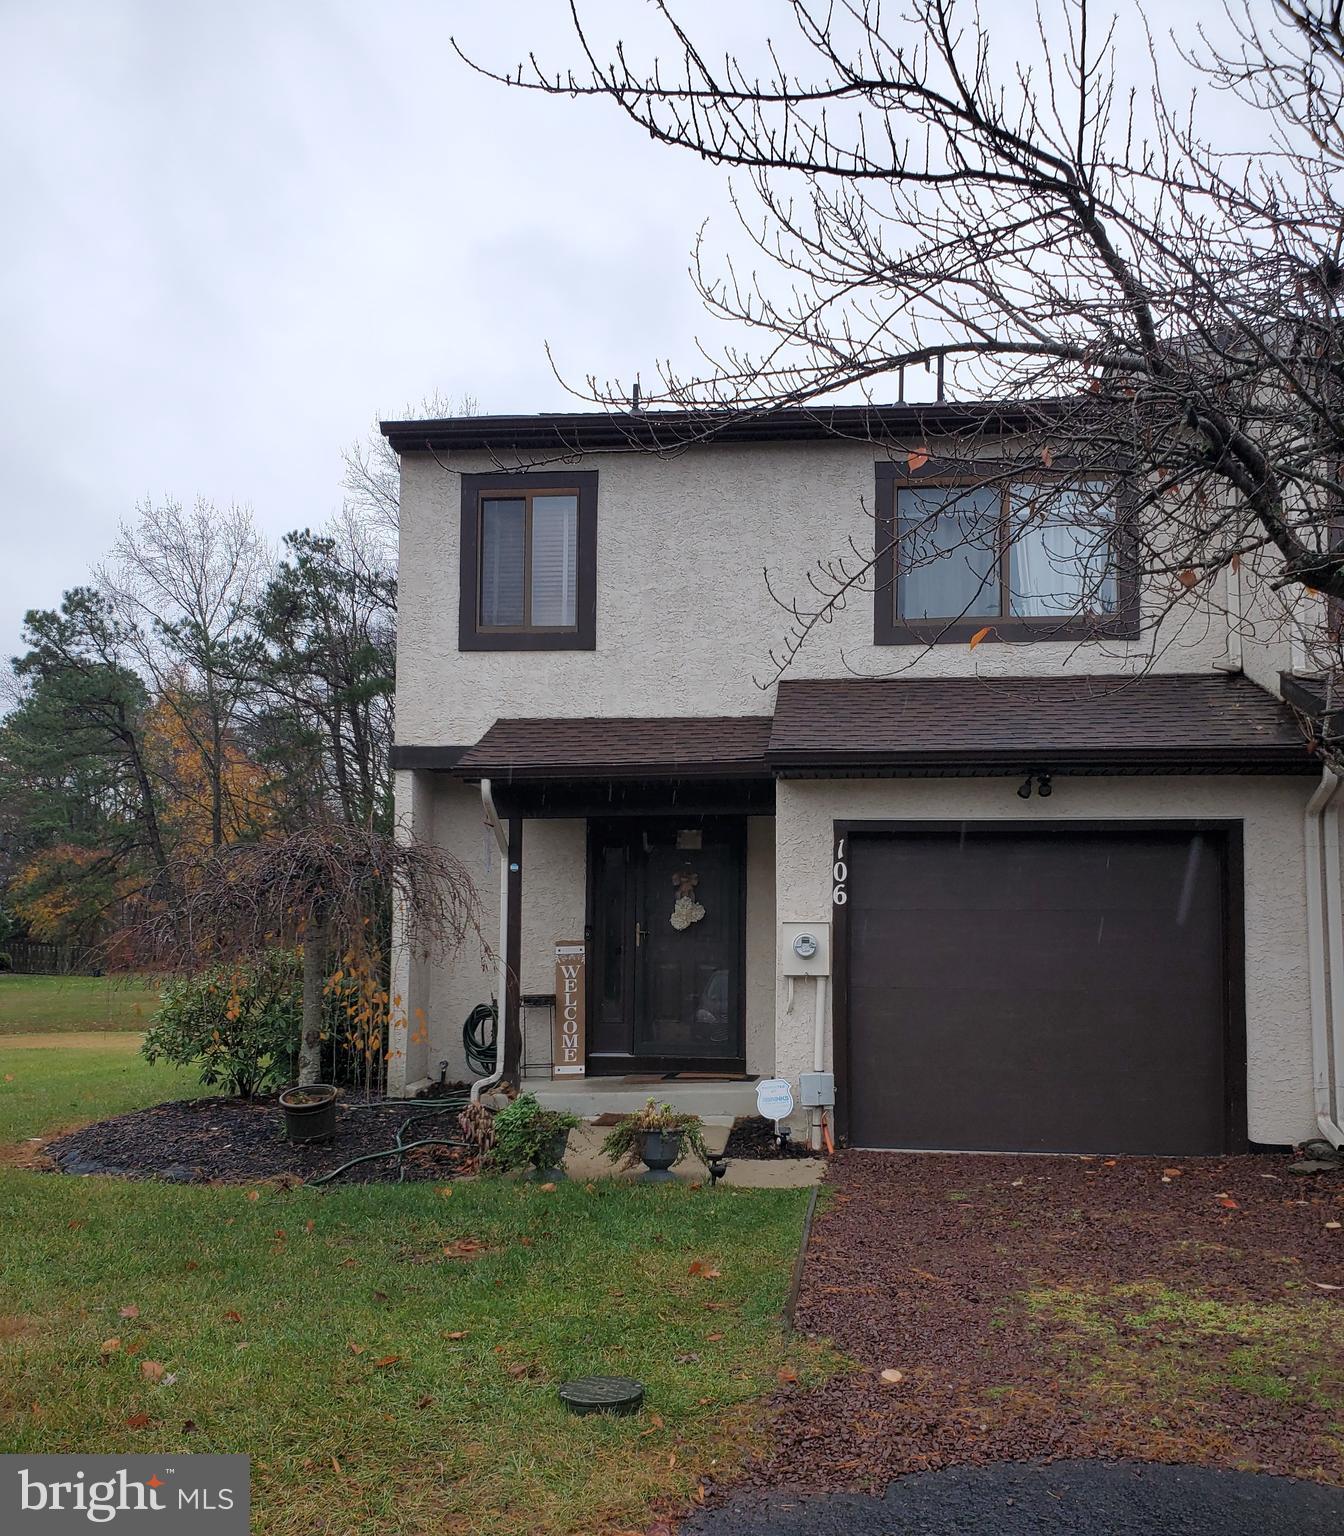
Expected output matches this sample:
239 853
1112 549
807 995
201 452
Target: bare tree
321 888
928 188
372 477
185 582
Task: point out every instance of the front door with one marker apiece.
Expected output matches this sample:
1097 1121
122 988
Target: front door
666 901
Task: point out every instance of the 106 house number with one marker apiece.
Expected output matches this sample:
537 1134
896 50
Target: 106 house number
839 875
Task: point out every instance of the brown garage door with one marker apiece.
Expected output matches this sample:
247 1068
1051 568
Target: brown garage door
1051 989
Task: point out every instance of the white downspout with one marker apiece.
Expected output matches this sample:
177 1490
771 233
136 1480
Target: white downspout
502 838
1327 1000
818 1052
1334 933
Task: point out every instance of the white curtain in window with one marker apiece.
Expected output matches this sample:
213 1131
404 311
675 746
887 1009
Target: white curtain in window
1062 560
947 556
503 531
555 522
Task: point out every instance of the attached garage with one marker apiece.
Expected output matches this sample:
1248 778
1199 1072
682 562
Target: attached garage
1041 986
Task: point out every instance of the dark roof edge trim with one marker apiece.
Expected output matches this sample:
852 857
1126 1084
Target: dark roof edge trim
1047 760
436 759
664 430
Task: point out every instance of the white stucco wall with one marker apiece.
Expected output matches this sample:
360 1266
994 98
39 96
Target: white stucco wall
1278 1028
685 624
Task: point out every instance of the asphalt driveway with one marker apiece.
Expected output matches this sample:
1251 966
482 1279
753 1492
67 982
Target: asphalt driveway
1059 1309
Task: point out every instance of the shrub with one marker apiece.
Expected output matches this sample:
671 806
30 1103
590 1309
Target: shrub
240 1023
626 1138
524 1132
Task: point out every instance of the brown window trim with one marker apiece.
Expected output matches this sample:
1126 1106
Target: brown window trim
888 629
583 636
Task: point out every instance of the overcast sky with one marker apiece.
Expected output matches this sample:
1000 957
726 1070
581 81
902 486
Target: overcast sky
235 234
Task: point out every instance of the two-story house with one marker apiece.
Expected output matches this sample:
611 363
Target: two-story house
1070 890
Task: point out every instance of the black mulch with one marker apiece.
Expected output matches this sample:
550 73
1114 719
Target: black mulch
922 1265
192 1141
754 1137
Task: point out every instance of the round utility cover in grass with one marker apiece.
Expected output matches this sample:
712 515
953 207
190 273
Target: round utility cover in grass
602 1394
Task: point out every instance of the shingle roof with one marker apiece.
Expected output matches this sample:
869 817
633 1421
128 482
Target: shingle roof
583 747
1205 722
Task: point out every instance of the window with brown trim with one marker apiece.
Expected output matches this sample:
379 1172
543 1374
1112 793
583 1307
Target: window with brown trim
1025 557
529 562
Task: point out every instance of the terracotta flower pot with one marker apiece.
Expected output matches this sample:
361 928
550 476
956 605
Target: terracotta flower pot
660 1150
310 1112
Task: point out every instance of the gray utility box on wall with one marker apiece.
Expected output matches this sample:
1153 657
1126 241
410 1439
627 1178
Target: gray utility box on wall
816 1090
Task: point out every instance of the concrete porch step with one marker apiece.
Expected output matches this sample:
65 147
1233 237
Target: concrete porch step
717 1103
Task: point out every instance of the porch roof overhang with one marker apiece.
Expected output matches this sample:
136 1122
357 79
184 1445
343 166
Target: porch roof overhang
1151 724
1177 723
595 749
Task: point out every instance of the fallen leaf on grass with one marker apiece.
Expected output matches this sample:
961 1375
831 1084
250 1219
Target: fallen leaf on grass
188 1426
254 1194
548 1189
233 1317
109 1346
424 1402
151 1370
191 1264
713 1338
698 1267
75 1224
336 1466
787 1375
131 1311
135 1345
355 1349
139 1421
461 1333
463 1248
385 1361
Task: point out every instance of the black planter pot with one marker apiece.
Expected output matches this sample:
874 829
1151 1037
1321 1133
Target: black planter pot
551 1166
660 1149
314 1120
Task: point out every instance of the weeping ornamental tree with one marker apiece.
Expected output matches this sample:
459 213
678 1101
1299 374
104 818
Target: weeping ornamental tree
929 186
321 889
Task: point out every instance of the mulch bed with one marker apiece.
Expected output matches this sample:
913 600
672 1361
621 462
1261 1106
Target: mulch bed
754 1137
920 1264
194 1141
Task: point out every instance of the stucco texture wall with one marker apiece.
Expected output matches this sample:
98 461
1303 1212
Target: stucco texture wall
685 624
1278 1028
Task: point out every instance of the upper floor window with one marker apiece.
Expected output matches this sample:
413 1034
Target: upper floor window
528 579
1023 558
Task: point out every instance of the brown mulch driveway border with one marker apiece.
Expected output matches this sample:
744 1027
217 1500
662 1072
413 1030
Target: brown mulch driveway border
1048 1308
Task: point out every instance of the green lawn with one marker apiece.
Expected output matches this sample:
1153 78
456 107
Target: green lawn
388 1356
51 1082
43 1003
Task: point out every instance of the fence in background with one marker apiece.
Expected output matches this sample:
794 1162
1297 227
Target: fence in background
32 957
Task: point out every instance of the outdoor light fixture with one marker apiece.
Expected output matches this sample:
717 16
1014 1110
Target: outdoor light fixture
1024 789
718 1166
1043 786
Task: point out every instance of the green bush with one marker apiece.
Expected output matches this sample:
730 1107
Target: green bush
524 1133
240 1023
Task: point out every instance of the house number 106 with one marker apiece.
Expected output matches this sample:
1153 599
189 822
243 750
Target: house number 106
839 874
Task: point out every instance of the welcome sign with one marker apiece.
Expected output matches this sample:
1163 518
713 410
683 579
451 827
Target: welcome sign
568 1048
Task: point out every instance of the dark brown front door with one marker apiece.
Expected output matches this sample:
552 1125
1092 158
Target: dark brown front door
1047 989
666 988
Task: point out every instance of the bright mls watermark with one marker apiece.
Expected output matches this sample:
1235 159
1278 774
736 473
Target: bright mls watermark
56 1495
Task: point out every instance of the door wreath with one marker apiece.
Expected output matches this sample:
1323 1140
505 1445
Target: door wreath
685 908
